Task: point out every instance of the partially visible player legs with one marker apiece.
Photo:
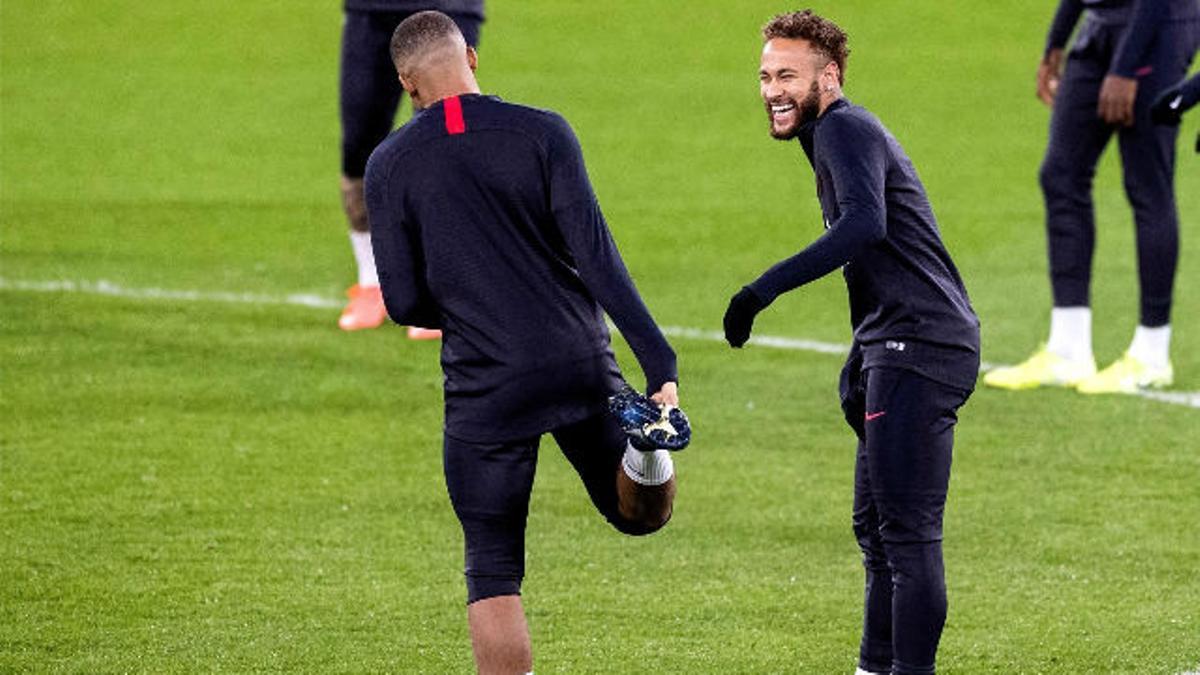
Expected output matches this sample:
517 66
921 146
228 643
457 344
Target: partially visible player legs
902 475
489 485
368 96
1148 165
633 490
1077 139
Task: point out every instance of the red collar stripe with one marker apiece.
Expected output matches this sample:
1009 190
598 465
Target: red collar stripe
455 124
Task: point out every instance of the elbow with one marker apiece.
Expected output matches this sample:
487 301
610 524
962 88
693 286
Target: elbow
873 226
876 233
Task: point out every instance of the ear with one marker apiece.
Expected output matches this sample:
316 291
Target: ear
831 77
408 84
472 58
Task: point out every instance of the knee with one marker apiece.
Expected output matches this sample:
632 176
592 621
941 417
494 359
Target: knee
481 587
641 525
1151 197
354 203
871 545
1062 178
494 557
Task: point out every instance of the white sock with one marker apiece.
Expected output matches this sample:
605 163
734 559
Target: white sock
1071 333
860 671
1152 346
648 468
361 243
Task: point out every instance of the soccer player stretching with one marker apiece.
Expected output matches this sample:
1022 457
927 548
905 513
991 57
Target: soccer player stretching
915 354
484 224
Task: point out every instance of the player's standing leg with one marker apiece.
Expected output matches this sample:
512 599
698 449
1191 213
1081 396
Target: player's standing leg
1148 164
489 485
902 478
875 648
500 636
1077 139
369 95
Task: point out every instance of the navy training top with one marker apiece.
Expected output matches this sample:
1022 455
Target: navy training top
1142 20
908 306
484 224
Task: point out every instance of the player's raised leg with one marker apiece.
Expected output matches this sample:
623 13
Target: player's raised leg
634 488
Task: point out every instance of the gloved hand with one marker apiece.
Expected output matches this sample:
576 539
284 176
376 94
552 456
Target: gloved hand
1168 107
739 317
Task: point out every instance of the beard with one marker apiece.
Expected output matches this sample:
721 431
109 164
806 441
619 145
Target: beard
807 110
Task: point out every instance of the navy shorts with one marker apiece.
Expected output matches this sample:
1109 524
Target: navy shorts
490 485
370 89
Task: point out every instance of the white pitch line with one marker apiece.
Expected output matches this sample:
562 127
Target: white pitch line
103 287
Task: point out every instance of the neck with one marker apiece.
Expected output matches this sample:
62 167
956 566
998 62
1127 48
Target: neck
456 86
828 98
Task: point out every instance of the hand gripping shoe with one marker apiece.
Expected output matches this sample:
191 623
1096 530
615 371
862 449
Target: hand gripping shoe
648 425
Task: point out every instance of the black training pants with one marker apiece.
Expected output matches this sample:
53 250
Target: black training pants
1077 139
905 427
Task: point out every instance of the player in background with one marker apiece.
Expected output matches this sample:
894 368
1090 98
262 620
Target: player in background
369 96
1123 56
1174 102
485 225
915 354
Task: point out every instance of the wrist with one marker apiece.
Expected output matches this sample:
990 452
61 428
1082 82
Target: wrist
755 298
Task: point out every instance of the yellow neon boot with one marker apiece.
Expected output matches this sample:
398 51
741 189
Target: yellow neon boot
1043 369
1127 375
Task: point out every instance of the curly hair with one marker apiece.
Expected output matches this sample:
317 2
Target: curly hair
824 35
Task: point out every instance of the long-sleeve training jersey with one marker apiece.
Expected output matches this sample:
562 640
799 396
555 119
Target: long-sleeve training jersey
1142 20
484 224
908 306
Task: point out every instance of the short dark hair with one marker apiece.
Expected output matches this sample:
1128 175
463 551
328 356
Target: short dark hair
418 34
824 35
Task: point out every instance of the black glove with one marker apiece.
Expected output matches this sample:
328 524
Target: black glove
1168 107
739 318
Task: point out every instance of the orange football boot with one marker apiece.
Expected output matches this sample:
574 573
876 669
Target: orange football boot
365 309
417 333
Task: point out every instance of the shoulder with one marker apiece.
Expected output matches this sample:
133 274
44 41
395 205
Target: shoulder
547 129
540 122
422 128
850 123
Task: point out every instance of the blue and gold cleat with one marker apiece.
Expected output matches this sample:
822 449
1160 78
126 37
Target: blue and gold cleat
648 425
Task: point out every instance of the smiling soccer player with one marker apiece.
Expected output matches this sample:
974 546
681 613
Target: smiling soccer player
915 354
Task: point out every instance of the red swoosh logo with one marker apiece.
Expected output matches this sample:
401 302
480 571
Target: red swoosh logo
871 416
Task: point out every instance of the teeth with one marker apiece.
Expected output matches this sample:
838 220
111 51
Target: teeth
782 108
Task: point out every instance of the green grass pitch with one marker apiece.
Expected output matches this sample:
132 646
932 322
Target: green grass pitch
199 485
